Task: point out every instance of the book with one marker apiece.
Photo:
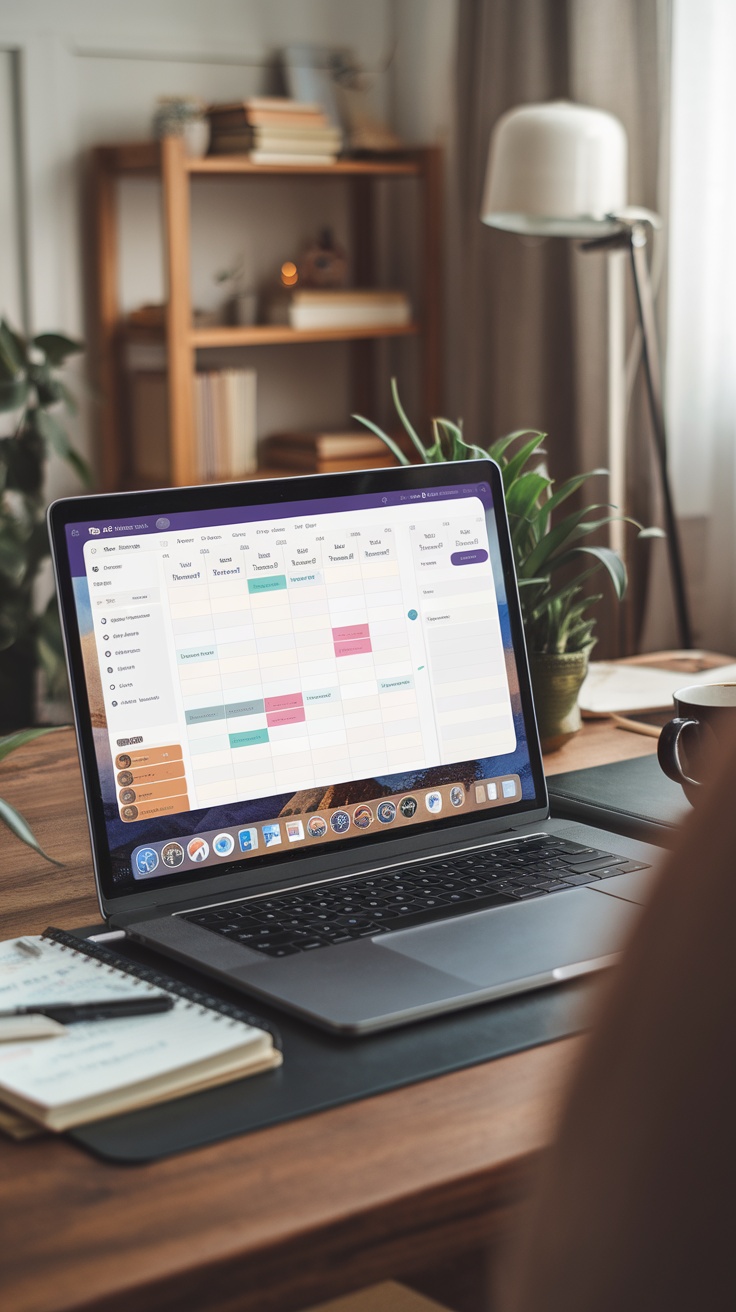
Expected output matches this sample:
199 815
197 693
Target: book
347 296
224 407
227 143
316 132
296 138
349 308
290 157
225 423
329 446
301 116
303 464
240 109
102 1068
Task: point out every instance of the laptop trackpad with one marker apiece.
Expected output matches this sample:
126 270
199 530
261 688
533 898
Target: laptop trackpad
519 942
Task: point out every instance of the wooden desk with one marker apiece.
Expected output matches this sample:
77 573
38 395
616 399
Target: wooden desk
424 1177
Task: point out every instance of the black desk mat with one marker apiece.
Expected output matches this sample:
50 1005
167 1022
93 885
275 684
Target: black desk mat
632 797
322 1071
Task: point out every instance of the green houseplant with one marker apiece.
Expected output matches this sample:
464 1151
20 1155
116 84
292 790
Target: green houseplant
32 390
553 558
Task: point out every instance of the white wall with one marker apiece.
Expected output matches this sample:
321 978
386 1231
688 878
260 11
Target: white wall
88 72
76 73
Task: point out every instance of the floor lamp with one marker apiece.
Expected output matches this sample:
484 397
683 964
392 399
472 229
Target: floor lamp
559 170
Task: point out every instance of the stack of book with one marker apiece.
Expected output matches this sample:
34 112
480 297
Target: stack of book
225 410
313 308
225 422
326 453
274 130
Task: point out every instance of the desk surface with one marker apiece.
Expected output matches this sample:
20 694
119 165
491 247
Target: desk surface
284 1217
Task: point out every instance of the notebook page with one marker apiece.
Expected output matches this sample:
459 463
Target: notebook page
93 1057
612 688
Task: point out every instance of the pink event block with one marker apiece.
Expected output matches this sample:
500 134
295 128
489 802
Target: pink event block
285 703
353 648
294 716
350 631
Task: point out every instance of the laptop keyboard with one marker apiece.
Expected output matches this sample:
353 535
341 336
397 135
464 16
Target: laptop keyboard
318 916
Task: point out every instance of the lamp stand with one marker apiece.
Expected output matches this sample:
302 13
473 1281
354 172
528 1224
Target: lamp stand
632 236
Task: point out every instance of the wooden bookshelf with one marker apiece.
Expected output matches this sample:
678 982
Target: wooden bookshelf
166 161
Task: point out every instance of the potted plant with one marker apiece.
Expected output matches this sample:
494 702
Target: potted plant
33 391
553 560
186 117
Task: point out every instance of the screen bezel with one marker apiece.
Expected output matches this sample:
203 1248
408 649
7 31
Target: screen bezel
289 867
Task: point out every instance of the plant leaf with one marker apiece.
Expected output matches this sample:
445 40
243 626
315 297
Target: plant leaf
522 496
461 450
57 346
69 399
562 493
13 393
651 532
539 558
613 563
12 558
498 448
22 830
519 459
393 447
12 350
12 741
402 416
57 437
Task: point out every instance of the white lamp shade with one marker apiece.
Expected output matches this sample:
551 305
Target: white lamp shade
556 169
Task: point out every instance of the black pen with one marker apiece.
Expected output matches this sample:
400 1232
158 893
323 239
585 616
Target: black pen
66 1013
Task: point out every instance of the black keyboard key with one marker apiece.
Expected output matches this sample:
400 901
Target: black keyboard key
595 864
584 854
276 950
567 845
607 872
445 913
279 925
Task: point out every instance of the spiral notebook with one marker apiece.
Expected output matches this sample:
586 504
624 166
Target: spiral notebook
96 1069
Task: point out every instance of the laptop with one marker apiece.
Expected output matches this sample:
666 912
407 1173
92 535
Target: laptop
309 749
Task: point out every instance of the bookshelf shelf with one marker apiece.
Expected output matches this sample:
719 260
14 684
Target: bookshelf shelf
145 157
167 161
281 334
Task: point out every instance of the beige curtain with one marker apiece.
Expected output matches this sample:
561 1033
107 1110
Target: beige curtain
527 318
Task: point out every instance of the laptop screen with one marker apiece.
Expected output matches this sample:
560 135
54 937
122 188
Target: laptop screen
265 679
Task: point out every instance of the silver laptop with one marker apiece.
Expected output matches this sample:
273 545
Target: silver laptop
309 747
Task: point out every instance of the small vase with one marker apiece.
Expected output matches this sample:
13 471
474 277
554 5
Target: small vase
196 137
556 682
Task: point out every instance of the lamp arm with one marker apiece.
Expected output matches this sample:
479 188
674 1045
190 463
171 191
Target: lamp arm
631 235
653 375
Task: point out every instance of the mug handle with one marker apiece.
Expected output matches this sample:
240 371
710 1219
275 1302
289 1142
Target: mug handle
668 751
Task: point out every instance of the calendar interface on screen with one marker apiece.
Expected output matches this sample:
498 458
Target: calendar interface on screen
280 677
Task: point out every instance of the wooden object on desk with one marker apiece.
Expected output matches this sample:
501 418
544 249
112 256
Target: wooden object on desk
425 1176
167 161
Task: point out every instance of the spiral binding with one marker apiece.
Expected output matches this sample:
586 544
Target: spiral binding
104 956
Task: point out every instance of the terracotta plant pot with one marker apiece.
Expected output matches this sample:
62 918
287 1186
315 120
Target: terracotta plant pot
556 681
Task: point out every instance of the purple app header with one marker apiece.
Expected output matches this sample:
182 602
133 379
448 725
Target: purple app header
179 521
